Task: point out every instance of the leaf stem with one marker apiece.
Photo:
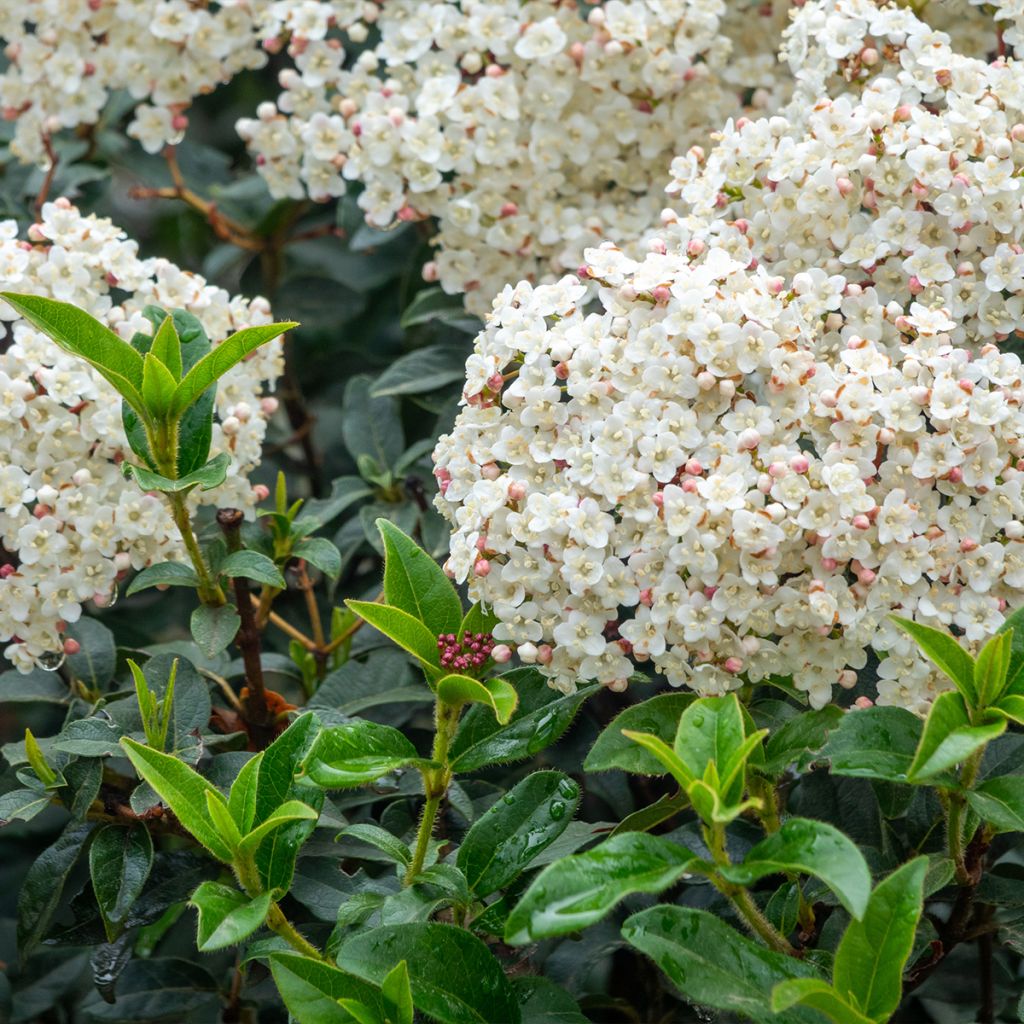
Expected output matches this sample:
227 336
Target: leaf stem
277 922
956 816
435 783
209 590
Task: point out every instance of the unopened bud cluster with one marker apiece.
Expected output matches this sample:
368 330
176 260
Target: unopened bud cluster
468 652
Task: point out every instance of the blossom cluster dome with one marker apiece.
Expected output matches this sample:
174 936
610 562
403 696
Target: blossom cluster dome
70 523
706 474
65 59
528 130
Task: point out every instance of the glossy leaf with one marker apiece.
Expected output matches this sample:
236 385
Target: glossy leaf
579 890
990 668
120 859
356 753
311 989
1012 706
806 846
166 347
1000 802
497 693
182 790
471 988
657 716
869 962
799 739
1014 625
170 574
711 964
397 993
213 366
414 582
157 386
211 475
408 632
515 829
289 811
874 743
253 566
662 752
382 839
226 916
816 994
949 738
242 797
945 653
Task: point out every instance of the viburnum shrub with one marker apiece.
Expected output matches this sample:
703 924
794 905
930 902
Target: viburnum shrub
688 686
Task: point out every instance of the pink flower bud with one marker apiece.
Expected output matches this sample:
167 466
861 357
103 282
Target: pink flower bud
694 247
799 464
733 665
748 439
481 567
431 271
544 654
516 490
490 471
502 653
829 564
863 702
955 475
866 576
508 210
6 570
261 492
861 522
661 294
847 679
967 545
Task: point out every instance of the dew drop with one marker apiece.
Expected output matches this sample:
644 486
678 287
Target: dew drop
50 661
557 810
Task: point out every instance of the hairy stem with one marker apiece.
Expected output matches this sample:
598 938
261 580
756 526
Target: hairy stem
209 589
277 922
745 906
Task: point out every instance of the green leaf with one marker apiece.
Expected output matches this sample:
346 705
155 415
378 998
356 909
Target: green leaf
157 386
77 332
371 427
816 995
321 553
579 890
212 367
515 829
478 620
242 797
345 492
497 693
990 669
711 964
120 859
166 347
1012 706
226 916
541 1001
311 989
869 962
1014 625
405 630
291 810
382 839
874 743
414 582
96 662
426 369
213 628
945 653
813 848
658 716
397 994
253 566
434 304
171 574
357 752
799 739
182 790
213 474
663 753
540 719
949 738
1000 802
453 976
22 804
45 687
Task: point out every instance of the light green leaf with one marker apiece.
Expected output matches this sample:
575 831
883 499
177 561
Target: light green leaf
212 367
321 553
217 808
499 695
253 566
1012 706
515 829
1000 802
171 574
672 762
397 994
157 386
949 738
579 890
357 752
166 347
382 839
945 653
817 995
810 847
991 667
1014 625
869 962
291 810
182 790
213 474
226 916
242 797
405 630
414 582
312 989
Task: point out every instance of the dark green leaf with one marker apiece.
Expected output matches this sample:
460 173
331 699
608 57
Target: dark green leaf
874 743
23 804
470 988
95 663
796 741
160 990
311 989
948 737
1000 801
1015 672
578 891
371 427
869 961
120 859
542 1002
435 305
171 574
806 846
46 687
711 964
658 716
356 753
382 839
213 628
426 369
414 582
253 566
321 553
515 829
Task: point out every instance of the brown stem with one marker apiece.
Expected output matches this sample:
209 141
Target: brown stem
986 980
351 631
51 172
257 711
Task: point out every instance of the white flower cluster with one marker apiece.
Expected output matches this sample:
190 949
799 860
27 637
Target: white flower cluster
704 475
789 419
70 524
65 59
528 131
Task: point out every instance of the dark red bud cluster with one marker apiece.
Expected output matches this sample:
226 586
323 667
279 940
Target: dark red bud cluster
469 652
